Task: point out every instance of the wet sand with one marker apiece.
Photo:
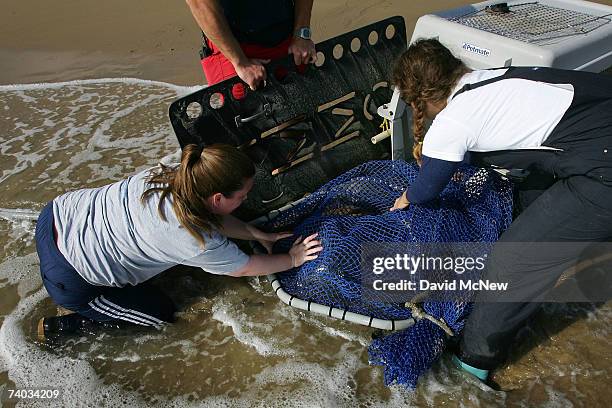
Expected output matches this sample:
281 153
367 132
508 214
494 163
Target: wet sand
564 359
43 41
63 40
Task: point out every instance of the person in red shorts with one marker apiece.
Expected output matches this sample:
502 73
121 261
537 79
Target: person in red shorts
240 36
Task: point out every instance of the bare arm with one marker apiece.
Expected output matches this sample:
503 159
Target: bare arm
209 16
265 265
302 251
211 19
232 227
303 50
303 10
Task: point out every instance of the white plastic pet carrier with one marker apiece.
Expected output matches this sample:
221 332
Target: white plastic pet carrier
568 34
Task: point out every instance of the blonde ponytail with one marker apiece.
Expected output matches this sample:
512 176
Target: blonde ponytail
202 173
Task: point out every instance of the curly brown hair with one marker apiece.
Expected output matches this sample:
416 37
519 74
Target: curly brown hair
426 71
203 172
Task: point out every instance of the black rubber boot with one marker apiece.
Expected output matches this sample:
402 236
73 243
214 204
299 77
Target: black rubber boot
55 327
69 324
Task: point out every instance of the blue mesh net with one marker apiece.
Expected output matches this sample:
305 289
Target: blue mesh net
353 209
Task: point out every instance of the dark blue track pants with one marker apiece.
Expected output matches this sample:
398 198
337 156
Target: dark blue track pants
143 304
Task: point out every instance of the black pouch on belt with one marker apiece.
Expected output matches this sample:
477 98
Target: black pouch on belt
205 51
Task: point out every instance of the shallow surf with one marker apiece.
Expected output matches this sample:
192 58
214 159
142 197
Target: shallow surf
235 343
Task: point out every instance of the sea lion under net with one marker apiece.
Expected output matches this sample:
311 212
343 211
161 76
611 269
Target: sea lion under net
353 210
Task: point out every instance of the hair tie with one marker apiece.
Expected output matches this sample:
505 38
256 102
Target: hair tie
193 154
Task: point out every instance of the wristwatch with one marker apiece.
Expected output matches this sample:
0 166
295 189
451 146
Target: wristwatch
303 32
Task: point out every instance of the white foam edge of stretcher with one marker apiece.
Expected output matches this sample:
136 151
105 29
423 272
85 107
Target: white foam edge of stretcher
337 313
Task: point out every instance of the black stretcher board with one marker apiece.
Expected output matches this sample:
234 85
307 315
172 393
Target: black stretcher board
328 109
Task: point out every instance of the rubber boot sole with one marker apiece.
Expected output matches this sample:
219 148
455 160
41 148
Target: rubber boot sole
41 330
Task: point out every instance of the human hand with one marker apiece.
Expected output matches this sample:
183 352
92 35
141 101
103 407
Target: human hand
401 203
267 240
252 71
306 250
303 51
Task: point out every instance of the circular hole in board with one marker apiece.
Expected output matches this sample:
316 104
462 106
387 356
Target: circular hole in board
373 38
390 31
338 51
217 100
320 59
355 44
194 110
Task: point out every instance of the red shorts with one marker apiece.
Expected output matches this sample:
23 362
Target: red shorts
218 68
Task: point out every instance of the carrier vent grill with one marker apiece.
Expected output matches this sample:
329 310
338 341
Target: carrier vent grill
532 22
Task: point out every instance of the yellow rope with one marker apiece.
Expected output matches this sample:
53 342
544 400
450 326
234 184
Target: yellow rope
384 125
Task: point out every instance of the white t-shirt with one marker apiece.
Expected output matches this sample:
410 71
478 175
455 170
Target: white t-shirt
113 239
508 114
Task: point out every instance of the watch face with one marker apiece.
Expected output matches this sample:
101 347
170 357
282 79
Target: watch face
304 33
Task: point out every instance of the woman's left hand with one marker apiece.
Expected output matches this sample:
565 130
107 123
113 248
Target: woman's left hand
401 203
268 239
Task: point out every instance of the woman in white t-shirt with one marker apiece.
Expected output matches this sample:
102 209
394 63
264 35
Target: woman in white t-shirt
553 127
99 247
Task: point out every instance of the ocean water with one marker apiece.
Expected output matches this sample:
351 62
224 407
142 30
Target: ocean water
235 343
